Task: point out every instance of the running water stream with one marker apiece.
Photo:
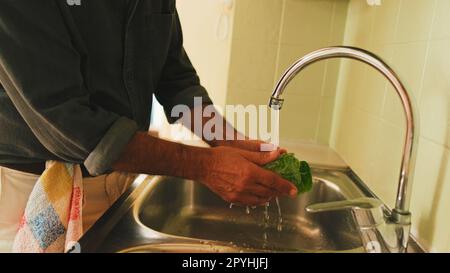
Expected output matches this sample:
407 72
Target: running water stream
275 121
280 218
266 220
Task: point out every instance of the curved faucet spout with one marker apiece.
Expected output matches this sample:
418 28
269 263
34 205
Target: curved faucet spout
401 213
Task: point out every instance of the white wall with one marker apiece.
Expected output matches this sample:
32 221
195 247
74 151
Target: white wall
209 53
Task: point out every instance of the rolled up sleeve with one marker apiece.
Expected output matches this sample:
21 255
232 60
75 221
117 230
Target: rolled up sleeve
179 82
40 69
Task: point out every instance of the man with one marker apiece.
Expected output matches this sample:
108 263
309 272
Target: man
78 79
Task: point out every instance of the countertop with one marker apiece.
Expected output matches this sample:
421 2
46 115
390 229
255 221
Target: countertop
314 154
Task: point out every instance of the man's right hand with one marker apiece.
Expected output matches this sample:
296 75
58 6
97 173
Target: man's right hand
237 176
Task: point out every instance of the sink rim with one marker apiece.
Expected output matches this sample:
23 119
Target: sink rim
179 247
219 247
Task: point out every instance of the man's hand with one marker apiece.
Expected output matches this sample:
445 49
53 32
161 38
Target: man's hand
247 144
237 176
228 135
234 174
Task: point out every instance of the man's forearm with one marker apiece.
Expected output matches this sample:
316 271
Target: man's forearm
152 155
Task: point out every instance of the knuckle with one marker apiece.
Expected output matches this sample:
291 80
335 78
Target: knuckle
265 157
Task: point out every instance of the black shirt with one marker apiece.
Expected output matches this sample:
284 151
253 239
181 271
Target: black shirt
78 80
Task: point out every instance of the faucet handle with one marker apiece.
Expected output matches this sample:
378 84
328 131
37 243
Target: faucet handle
368 212
364 203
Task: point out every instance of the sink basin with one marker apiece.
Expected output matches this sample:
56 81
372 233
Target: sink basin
165 214
184 208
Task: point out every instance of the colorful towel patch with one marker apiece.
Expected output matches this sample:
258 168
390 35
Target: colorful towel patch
52 221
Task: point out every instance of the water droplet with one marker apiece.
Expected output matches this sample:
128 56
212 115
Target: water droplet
264 245
266 214
280 218
247 210
231 205
279 227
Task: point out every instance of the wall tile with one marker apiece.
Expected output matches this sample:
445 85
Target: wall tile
415 20
333 67
299 117
359 26
386 163
408 61
431 171
441 29
247 97
354 82
326 118
385 21
435 99
258 20
371 96
339 22
360 129
252 66
439 221
307 22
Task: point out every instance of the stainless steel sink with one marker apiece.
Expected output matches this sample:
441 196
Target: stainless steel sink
181 248
186 208
166 214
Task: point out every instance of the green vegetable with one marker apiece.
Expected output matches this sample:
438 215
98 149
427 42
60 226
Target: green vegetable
294 170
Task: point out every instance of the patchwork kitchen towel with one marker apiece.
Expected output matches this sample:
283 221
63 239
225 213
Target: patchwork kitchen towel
52 221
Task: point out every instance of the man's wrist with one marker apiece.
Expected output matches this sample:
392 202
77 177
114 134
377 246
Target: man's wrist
193 161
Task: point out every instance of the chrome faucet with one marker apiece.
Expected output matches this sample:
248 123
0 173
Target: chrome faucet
381 228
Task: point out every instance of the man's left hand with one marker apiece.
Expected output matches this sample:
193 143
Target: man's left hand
247 144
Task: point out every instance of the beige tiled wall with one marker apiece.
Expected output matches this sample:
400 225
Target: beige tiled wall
268 36
349 105
368 127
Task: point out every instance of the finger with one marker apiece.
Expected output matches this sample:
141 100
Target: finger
252 200
261 191
260 158
272 180
250 145
256 146
268 147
